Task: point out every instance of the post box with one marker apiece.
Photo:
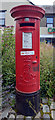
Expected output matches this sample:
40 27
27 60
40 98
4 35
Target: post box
27 58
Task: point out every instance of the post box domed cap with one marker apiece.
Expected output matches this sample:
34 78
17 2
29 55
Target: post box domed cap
27 11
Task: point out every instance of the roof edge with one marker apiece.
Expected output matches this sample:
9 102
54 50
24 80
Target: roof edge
30 2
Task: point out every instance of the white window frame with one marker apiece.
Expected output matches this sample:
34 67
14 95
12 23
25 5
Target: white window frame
2 18
49 22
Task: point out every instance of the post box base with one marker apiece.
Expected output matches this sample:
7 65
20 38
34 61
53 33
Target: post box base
28 104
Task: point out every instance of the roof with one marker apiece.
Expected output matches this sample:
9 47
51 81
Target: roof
30 2
8 4
49 9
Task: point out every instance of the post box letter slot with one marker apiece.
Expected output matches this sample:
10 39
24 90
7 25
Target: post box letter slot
27 24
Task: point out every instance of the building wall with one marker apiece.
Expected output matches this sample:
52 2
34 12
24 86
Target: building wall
44 30
54 21
43 22
49 12
8 6
9 21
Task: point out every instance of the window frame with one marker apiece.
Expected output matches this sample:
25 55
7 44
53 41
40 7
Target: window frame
3 18
49 22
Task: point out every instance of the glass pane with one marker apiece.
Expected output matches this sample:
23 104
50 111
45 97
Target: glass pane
49 20
1 22
2 14
49 25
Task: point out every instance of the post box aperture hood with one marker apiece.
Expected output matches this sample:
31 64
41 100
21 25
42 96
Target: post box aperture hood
27 11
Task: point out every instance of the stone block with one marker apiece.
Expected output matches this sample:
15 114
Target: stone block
46 108
28 118
53 114
5 113
46 117
38 115
11 117
52 105
19 117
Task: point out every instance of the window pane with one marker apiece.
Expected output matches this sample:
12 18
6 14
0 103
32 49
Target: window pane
2 14
49 20
49 25
1 22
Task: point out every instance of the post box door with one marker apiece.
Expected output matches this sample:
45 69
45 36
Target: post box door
27 60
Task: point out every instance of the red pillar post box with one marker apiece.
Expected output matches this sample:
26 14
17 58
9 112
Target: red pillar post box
27 58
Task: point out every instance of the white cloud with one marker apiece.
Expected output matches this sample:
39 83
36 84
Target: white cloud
43 2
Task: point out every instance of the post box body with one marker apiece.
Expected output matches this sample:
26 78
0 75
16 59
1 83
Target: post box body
27 57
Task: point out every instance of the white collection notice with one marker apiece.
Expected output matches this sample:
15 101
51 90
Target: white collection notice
27 40
27 43
27 53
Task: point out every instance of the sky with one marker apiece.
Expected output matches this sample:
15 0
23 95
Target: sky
43 2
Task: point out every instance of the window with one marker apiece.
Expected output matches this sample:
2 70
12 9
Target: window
49 22
2 18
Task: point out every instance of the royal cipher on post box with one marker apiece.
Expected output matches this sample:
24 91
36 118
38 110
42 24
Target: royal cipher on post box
27 58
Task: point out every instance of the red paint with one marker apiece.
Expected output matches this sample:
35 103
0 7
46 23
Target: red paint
27 66
51 32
